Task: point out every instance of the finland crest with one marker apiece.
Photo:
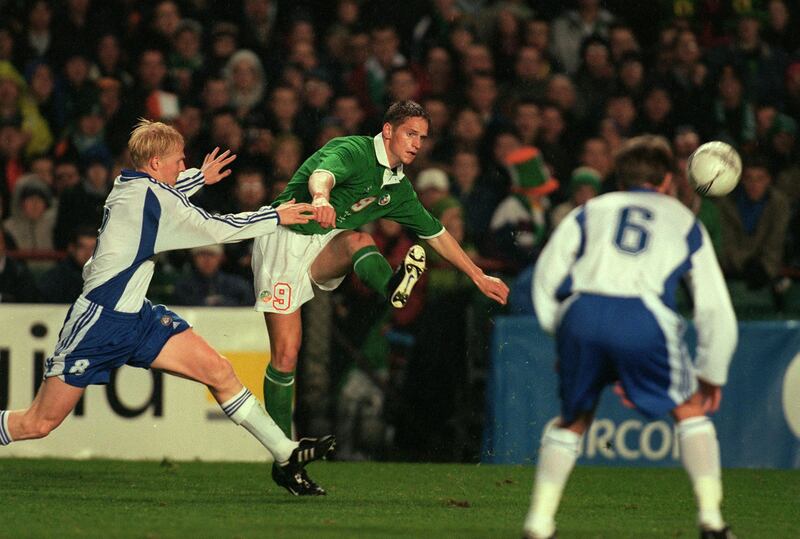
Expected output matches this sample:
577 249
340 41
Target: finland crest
385 199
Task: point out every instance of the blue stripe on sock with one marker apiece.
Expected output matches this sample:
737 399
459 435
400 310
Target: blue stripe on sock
233 407
5 439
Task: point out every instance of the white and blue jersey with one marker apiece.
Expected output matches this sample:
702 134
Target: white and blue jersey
142 217
606 285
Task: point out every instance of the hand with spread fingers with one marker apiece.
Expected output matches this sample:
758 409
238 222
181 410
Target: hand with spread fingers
214 165
295 214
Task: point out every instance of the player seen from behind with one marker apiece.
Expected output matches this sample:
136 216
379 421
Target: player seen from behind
605 285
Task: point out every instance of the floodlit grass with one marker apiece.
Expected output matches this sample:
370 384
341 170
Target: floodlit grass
57 498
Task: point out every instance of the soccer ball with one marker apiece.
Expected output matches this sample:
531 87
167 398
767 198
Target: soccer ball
714 169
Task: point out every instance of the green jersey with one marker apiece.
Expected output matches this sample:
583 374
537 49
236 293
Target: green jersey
366 188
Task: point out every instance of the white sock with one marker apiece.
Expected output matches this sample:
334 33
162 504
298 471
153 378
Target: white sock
245 410
5 436
557 457
700 456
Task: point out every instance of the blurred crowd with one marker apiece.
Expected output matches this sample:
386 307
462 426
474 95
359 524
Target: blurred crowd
528 102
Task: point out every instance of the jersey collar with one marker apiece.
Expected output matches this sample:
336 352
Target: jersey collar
390 176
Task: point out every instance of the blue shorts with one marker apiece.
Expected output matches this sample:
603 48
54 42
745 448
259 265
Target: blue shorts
639 342
95 340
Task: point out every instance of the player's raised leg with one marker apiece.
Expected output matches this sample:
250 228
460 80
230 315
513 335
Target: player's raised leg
699 448
357 250
53 403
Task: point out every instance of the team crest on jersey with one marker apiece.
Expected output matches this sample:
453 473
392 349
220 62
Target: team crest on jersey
265 296
361 204
166 320
385 199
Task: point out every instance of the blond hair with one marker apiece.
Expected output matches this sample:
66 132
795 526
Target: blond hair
151 139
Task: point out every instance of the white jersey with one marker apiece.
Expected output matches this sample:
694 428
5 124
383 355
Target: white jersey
639 244
143 217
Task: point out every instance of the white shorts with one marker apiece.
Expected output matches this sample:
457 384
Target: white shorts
282 269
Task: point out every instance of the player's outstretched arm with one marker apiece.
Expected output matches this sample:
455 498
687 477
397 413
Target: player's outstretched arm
291 213
214 165
447 246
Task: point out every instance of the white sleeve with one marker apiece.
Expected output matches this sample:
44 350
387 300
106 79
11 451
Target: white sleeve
714 317
190 181
182 225
553 266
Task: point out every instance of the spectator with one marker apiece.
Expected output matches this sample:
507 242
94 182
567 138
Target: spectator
287 157
64 282
553 142
32 219
81 206
86 139
482 97
631 76
595 79
246 82
38 36
110 62
477 202
622 41
754 221
583 185
43 92
779 31
597 155
12 167
537 35
216 95
207 285
733 116
527 117
16 281
431 186
570 29
66 174
402 85
224 42
258 26
16 106
530 77
656 115
368 82
519 224
348 111
186 58
762 67
688 79
440 74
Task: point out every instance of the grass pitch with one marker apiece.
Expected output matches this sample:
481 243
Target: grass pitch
56 498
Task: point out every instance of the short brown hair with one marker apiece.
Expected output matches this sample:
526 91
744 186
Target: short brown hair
400 111
643 159
149 139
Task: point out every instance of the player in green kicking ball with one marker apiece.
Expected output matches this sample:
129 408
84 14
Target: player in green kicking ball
350 181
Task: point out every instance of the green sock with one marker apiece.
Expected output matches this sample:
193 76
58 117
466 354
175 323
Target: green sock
372 268
278 397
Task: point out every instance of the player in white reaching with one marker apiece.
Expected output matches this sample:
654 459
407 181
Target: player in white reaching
112 323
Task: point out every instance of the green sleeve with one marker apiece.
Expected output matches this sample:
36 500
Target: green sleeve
413 215
343 161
